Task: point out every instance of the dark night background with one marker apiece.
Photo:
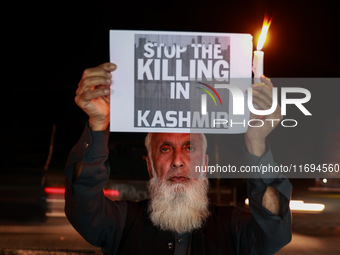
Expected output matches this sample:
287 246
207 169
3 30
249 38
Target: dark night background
50 44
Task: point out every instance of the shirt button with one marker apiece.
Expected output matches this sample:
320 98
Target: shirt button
170 246
180 240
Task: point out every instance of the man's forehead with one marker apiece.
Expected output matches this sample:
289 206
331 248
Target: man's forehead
160 138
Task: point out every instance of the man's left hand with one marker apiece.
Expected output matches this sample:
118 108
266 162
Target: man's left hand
255 136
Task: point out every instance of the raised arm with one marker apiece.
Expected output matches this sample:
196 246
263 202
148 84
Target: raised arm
255 137
99 220
268 228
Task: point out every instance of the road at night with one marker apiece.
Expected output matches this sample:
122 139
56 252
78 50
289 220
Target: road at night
58 237
56 234
315 245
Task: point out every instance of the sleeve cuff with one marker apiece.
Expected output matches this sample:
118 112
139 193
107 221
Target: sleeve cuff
92 144
268 174
255 160
267 170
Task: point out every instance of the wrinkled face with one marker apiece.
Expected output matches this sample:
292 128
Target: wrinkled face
172 155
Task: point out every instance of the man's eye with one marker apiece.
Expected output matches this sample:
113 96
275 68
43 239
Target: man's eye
165 149
190 148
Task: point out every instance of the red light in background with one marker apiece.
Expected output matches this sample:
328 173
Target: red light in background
111 192
53 190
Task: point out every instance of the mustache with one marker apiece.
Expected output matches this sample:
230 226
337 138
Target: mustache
176 173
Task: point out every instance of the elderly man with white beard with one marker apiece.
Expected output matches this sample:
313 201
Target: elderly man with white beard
178 219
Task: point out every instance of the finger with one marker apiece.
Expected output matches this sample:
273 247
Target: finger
266 86
95 71
263 88
106 98
101 70
262 102
263 92
267 81
108 66
262 105
90 82
83 99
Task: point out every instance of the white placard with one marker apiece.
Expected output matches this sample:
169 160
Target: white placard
180 81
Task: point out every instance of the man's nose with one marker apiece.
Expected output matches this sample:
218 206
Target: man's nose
177 160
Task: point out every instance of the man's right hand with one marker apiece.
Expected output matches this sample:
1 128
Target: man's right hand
93 95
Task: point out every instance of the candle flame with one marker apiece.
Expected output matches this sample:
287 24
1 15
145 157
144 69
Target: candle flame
263 35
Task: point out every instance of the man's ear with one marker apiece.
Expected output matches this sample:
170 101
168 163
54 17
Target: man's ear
149 166
206 162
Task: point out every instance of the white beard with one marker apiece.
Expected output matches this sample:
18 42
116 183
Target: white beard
178 207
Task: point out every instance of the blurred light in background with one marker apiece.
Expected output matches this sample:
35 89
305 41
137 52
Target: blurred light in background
54 190
55 201
300 205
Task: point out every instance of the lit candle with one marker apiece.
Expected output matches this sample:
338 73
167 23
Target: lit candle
258 63
258 54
